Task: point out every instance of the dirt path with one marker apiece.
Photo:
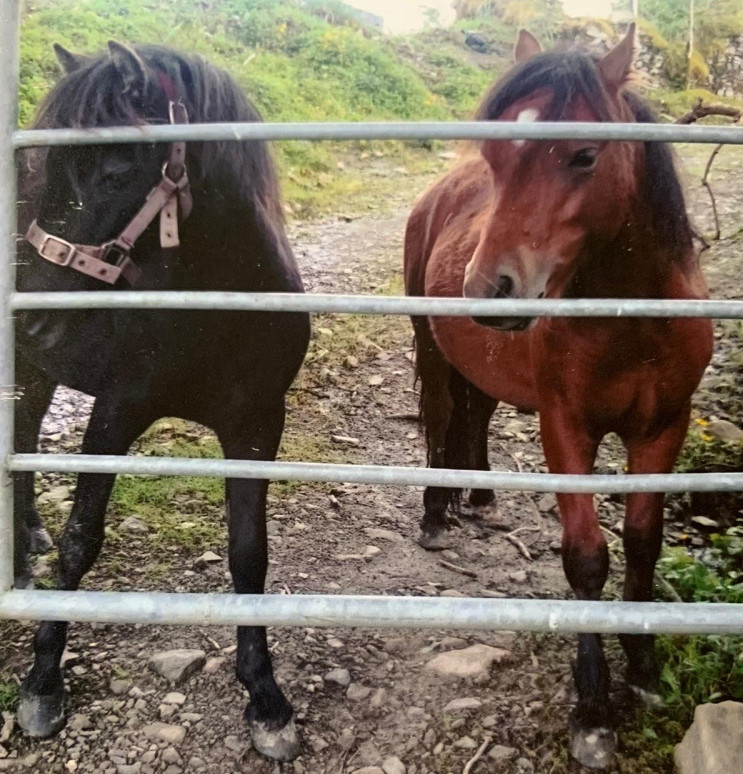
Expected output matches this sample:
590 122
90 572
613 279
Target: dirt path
357 385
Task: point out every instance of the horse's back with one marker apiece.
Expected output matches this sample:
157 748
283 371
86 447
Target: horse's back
463 190
442 233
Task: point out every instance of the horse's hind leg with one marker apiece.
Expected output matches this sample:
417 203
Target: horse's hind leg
642 536
30 535
269 714
456 415
471 420
436 409
111 430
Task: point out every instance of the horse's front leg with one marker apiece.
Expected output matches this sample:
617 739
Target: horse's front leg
569 448
111 430
30 534
256 437
643 535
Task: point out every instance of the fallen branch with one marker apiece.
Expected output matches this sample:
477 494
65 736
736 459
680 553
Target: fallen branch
667 587
408 416
511 538
476 757
457 568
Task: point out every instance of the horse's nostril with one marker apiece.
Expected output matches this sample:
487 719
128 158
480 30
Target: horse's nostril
541 295
504 286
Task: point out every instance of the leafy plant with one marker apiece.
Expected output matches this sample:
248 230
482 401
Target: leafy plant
700 669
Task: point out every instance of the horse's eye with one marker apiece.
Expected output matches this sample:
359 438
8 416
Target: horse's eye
584 159
116 175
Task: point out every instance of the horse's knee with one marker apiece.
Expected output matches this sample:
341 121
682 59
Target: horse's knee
585 560
77 554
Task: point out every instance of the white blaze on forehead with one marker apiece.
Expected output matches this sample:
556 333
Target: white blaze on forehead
528 115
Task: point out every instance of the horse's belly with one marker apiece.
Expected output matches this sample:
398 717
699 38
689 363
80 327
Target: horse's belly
496 362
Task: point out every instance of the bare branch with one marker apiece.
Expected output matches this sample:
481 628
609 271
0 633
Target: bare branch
703 109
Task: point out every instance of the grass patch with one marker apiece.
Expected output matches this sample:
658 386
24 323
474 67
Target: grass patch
8 694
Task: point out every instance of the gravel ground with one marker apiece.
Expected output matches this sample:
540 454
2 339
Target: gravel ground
364 698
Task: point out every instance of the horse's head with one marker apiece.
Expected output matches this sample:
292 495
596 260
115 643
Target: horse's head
82 198
552 199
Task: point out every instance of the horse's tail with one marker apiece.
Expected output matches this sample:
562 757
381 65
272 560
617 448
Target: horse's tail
415 258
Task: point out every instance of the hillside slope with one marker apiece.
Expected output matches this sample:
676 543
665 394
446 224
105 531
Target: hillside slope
298 63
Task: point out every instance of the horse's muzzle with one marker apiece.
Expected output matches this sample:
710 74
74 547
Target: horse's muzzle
506 323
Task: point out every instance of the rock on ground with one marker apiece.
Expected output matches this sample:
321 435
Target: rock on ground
714 742
177 665
474 661
393 765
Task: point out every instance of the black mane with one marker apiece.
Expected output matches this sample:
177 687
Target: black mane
572 74
92 95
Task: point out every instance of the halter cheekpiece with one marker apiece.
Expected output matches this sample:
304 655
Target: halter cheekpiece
111 260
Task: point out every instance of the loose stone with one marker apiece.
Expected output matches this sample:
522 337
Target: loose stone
474 661
177 665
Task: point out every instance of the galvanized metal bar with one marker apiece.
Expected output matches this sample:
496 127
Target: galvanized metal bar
9 30
377 612
393 130
387 475
365 304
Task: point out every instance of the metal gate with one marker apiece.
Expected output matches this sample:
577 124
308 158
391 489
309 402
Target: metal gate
329 610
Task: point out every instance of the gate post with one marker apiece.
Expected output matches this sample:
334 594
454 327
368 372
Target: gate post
9 66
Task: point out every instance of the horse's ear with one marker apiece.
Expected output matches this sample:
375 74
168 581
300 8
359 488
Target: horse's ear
526 47
69 61
616 66
130 67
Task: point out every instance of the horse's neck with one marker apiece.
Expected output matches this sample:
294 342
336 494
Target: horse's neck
240 254
633 266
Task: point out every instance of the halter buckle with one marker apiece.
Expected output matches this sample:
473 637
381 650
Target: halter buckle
58 258
115 253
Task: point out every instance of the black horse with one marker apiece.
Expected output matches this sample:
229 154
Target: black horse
122 216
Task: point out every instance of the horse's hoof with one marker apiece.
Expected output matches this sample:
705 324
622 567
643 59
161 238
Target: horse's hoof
593 747
24 581
281 745
479 498
41 715
39 541
650 699
436 541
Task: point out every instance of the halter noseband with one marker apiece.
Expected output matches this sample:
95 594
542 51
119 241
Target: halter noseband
112 259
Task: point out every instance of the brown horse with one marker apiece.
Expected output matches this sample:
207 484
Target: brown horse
567 219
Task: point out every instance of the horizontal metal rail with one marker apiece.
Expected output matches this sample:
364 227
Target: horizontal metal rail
360 304
387 475
124 607
426 130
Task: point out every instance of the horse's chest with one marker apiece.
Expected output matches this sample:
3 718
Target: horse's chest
632 384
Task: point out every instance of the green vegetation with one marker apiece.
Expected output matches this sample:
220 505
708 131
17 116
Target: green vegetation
8 694
666 22
700 669
308 62
542 17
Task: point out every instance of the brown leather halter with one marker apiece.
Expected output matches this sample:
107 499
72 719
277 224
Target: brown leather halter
111 260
